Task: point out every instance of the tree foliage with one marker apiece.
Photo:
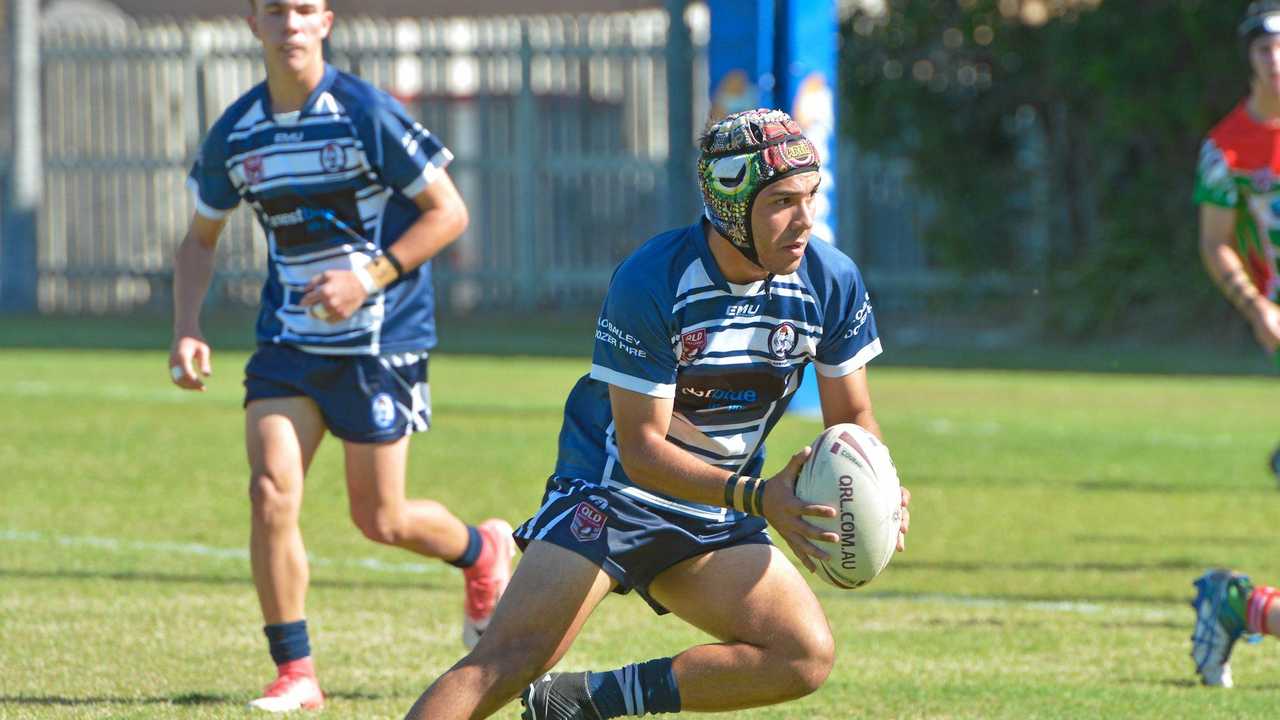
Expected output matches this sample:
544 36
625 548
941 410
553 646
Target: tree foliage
1102 105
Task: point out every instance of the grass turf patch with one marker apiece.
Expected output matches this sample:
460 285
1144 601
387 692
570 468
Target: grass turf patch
1058 521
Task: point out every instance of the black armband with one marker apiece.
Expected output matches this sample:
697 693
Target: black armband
395 262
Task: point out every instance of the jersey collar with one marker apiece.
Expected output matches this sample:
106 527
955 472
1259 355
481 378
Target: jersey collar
698 235
326 81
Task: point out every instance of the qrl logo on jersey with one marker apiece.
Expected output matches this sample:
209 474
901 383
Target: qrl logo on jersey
692 343
253 169
782 340
588 522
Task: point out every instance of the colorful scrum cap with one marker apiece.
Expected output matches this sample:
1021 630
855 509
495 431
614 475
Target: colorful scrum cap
741 155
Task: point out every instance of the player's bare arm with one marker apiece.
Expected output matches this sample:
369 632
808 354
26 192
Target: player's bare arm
444 218
1217 228
847 399
641 423
190 357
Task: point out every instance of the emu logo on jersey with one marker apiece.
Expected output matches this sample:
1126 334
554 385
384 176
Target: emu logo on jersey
588 522
383 410
332 158
692 343
782 340
253 169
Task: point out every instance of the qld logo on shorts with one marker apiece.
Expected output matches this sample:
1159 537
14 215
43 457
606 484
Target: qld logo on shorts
332 157
253 169
782 340
588 522
383 411
692 343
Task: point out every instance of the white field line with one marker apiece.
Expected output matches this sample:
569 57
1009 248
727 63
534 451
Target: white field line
177 549
1157 438
161 393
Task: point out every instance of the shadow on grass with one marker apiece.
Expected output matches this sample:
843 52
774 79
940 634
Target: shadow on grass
179 699
415 585
1194 684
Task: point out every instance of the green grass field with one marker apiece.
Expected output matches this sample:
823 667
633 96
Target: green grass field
1058 521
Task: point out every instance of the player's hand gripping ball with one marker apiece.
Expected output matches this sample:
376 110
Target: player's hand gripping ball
851 471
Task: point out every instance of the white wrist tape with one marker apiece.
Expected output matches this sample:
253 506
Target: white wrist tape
366 281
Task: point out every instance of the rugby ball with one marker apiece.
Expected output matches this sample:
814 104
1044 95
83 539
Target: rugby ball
850 470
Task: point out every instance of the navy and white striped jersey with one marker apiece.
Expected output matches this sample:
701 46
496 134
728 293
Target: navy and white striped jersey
331 186
731 356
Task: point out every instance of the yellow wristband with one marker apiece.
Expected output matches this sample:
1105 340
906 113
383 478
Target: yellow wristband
377 274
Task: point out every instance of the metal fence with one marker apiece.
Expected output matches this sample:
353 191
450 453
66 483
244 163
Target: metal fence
559 126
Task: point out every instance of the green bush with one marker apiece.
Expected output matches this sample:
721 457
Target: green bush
1100 105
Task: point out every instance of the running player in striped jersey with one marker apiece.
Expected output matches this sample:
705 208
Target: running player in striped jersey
703 338
1238 191
354 199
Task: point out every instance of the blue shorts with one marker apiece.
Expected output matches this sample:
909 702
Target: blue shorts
363 398
631 541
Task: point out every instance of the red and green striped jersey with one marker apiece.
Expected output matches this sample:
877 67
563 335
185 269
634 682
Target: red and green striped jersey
1239 169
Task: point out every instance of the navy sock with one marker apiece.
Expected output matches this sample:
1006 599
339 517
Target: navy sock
475 544
637 689
288 641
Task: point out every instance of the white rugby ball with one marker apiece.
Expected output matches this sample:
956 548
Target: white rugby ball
851 471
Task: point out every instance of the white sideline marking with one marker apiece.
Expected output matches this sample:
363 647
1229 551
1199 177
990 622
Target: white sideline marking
41 389
947 426
1176 611
116 545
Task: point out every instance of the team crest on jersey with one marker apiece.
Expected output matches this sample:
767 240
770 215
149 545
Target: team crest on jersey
383 411
692 343
332 157
782 340
253 169
588 522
